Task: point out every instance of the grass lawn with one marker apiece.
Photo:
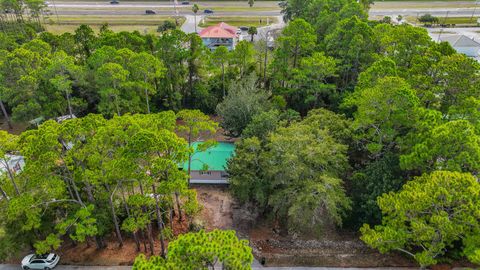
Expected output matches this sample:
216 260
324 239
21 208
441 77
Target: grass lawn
459 20
237 21
141 23
450 20
401 4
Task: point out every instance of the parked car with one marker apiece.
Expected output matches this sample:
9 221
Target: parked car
208 11
185 3
114 2
244 28
150 12
44 262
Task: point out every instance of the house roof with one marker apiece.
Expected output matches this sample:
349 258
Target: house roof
214 158
221 30
460 41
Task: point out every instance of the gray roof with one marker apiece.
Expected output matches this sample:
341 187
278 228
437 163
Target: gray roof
460 41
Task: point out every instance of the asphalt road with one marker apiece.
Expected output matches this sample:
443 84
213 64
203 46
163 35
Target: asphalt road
76 267
265 9
69 267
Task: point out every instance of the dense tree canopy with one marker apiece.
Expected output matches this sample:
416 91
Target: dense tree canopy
428 216
76 174
341 111
295 174
202 251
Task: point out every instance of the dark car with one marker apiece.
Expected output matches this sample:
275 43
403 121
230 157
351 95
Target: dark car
244 28
150 12
185 3
208 11
114 2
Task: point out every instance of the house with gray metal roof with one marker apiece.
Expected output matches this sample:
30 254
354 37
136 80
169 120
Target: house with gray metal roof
463 44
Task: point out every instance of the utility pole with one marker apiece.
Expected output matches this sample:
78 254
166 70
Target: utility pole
474 9
444 23
265 60
56 12
175 3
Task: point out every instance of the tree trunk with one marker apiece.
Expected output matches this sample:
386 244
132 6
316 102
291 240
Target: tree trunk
144 241
91 199
180 216
114 218
265 64
159 221
150 238
128 214
69 103
189 154
10 175
4 194
149 226
195 22
5 114
116 105
295 56
146 97
223 79
172 213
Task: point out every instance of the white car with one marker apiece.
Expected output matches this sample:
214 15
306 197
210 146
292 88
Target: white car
44 262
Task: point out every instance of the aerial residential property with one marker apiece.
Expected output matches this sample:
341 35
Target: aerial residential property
221 34
239 135
463 44
208 167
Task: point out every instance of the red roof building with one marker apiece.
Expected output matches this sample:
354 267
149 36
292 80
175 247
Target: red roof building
221 34
221 30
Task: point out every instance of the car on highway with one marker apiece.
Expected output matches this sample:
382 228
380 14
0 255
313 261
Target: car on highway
150 12
244 28
44 262
114 2
185 3
208 11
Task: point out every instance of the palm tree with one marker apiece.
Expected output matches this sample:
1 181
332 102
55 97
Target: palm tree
251 2
252 31
195 9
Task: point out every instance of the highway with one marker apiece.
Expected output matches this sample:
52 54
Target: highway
454 9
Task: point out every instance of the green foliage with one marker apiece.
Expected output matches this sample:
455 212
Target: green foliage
166 26
202 251
262 125
354 55
378 177
278 175
247 180
50 243
195 122
313 81
428 216
428 19
93 159
383 112
297 41
453 146
244 100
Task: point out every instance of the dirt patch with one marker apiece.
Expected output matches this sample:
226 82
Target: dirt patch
17 128
221 211
217 207
112 254
332 250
